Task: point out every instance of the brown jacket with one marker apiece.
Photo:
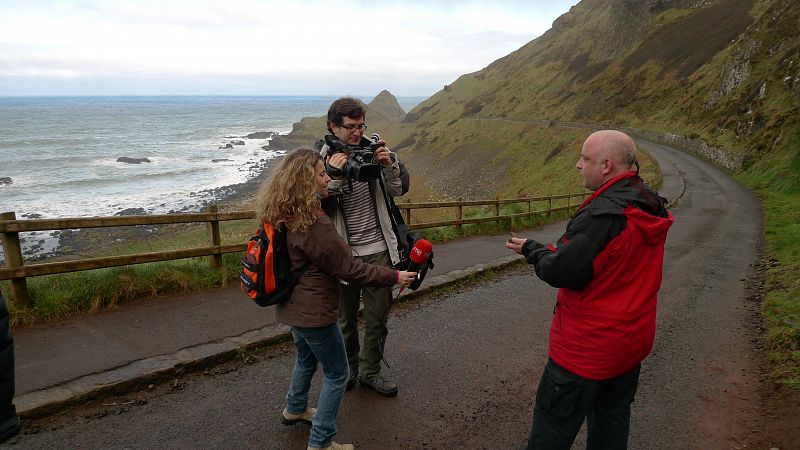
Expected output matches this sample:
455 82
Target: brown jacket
327 257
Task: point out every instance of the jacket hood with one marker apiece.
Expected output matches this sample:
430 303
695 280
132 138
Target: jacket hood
627 194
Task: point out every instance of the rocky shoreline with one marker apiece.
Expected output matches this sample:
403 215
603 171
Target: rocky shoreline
234 197
90 241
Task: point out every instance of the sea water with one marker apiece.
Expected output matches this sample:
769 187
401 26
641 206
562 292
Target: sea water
59 155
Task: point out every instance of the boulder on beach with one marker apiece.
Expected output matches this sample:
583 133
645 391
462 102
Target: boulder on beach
127 160
132 212
220 160
261 135
237 142
6 180
228 145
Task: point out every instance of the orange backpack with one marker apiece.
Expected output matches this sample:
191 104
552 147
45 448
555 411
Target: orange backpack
266 275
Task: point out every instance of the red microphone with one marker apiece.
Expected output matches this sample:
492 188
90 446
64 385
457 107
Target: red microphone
420 254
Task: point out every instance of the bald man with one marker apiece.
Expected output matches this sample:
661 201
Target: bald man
607 266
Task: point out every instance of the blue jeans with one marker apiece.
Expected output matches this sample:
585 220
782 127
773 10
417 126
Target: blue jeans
326 346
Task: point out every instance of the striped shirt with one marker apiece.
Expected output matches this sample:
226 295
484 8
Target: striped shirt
363 228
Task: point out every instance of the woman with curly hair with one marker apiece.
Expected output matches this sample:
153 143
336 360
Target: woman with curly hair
292 196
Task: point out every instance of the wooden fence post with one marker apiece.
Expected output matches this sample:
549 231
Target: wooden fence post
212 228
13 255
408 213
549 206
461 216
497 210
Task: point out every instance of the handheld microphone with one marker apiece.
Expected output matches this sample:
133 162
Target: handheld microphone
419 255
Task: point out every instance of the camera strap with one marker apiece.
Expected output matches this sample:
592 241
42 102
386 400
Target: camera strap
390 208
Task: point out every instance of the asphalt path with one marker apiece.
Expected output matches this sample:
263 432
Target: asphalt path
468 361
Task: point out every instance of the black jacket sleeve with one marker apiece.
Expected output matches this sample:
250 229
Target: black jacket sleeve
569 262
7 408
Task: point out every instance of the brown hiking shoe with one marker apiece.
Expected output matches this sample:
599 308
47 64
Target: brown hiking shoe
304 417
334 446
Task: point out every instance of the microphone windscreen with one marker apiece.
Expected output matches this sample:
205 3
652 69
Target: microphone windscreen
421 251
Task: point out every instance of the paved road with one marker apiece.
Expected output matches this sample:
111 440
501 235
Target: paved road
467 362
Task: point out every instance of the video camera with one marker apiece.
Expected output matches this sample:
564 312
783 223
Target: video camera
359 165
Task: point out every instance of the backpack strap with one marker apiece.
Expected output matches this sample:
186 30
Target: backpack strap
295 276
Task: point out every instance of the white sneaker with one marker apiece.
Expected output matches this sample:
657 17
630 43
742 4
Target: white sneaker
291 418
334 446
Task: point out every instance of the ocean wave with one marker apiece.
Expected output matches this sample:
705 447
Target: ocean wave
61 154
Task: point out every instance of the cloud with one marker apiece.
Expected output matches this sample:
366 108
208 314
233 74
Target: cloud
413 45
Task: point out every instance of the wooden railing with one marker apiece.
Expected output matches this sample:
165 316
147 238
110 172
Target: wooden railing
17 271
461 204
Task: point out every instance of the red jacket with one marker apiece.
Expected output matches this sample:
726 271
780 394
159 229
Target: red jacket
608 268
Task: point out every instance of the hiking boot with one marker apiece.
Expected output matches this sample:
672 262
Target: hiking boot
304 417
9 428
334 446
351 380
380 385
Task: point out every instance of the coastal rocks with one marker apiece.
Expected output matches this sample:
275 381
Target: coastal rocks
220 160
230 144
257 135
5 181
132 212
261 135
127 160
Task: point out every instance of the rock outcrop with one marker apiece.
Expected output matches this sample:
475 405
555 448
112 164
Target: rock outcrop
261 135
127 160
386 105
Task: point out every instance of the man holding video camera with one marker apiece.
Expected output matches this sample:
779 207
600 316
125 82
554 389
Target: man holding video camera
607 266
364 178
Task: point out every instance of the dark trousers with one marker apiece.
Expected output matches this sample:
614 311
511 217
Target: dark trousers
564 400
377 301
7 409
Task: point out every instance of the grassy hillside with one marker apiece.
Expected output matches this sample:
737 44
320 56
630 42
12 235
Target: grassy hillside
726 71
723 71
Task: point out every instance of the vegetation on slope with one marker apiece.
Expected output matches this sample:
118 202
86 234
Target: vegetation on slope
725 71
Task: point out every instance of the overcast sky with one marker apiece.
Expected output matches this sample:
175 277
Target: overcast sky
257 47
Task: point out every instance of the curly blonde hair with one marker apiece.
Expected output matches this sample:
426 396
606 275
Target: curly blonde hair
288 195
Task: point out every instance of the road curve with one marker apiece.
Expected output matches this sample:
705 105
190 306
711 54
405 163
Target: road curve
468 362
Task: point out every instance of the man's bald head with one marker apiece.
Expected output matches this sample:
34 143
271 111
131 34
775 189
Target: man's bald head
605 154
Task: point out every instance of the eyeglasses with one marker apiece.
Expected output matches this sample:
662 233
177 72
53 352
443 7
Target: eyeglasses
353 127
